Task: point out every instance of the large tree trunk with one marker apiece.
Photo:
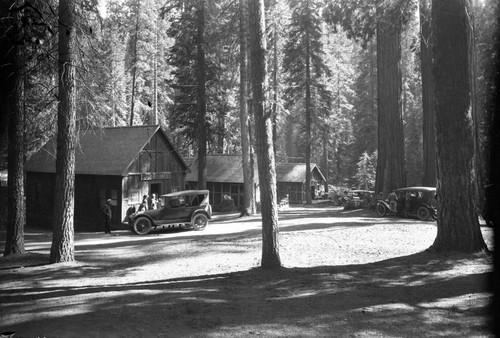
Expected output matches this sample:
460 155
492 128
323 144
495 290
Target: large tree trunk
155 73
12 65
63 248
264 137
493 190
390 164
275 85
429 135
458 225
325 167
202 106
134 66
479 164
308 113
246 146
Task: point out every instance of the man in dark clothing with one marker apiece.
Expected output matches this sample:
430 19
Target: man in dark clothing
106 213
145 204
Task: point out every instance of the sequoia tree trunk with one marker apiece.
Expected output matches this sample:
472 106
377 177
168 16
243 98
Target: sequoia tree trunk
390 164
457 223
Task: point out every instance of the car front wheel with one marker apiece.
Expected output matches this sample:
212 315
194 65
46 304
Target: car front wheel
423 213
142 226
199 222
381 209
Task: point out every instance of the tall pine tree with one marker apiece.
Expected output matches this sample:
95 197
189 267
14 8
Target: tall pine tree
305 68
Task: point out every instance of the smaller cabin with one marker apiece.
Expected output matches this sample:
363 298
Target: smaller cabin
122 164
291 180
224 178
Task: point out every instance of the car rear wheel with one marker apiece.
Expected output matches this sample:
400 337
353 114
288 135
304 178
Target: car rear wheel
381 209
199 222
423 213
142 226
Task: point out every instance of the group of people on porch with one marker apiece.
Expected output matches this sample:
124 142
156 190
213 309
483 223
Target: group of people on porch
149 203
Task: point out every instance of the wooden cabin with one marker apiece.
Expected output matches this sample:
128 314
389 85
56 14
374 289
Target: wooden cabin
291 181
224 177
121 164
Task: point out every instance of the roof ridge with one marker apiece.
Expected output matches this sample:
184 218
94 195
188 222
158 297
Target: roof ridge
123 127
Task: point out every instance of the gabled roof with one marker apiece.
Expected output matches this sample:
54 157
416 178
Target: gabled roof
106 151
229 168
221 168
295 172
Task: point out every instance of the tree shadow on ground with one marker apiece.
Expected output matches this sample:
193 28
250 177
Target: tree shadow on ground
424 294
99 253
323 220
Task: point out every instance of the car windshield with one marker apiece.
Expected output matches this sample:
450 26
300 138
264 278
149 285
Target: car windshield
185 200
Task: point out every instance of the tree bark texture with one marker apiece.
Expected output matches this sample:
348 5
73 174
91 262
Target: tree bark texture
202 106
264 137
429 178
308 111
493 189
479 159
275 85
325 166
12 105
246 146
134 66
458 225
62 249
390 164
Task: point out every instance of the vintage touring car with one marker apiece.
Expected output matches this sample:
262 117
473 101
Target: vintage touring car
189 209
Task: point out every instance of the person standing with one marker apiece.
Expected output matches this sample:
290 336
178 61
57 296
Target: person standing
153 203
106 212
393 201
145 204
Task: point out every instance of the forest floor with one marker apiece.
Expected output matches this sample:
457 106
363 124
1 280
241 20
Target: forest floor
345 274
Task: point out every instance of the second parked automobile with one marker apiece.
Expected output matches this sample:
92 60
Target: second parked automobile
417 202
356 199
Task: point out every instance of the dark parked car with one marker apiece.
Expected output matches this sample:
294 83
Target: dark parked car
190 209
417 202
356 199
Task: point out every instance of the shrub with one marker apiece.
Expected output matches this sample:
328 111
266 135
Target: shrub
227 204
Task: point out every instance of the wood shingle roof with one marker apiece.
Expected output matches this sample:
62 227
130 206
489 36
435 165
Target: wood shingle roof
221 168
106 151
229 168
295 172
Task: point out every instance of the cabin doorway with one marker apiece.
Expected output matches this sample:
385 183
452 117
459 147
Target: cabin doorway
155 188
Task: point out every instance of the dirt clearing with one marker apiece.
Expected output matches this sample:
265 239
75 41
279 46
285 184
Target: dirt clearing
345 274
